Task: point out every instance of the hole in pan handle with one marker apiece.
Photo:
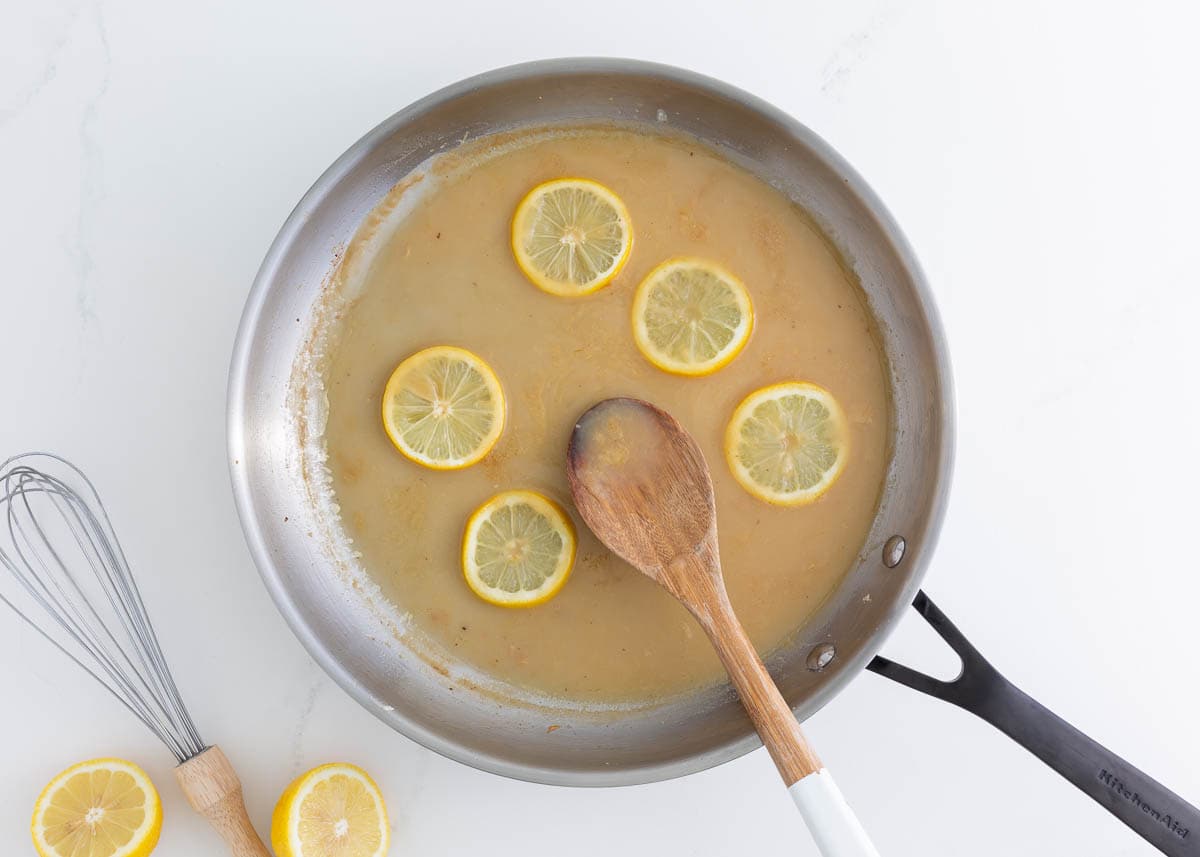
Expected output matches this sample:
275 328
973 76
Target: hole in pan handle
1160 816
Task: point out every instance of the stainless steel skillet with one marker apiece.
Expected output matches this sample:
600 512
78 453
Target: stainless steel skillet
361 642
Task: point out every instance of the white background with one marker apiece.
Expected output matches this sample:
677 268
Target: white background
1043 158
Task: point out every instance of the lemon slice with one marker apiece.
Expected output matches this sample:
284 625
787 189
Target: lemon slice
786 443
101 808
443 407
332 811
518 549
570 237
691 316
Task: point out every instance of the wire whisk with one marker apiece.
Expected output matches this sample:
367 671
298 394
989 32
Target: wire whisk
71 582
57 531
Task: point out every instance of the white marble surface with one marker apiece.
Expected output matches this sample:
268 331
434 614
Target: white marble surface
1043 160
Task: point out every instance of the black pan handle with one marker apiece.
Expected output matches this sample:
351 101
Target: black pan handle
1163 818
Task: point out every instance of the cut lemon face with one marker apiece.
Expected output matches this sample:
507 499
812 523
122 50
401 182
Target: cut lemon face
571 237
691 316
787 443
443 407
332 811
518 549
101 808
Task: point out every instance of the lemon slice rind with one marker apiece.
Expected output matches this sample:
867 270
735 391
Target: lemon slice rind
550 253
59 805
443 376
670 340
489 530
750 448
288 832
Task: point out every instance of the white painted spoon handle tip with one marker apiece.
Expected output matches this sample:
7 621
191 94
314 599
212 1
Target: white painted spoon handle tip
834 826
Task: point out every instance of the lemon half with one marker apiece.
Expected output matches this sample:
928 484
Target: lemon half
331 811
518 549
571 237
443 407
787 443
691 316
101 808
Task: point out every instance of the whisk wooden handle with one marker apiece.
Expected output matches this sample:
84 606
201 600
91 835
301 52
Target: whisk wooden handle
213 789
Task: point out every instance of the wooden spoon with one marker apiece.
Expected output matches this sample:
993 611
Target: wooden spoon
641 483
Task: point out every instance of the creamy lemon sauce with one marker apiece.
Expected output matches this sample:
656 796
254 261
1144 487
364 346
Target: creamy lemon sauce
446 275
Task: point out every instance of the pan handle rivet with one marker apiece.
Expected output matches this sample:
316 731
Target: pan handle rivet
893 551
821 656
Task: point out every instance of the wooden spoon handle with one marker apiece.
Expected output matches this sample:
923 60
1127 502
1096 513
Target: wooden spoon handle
213 789
768 710
834 826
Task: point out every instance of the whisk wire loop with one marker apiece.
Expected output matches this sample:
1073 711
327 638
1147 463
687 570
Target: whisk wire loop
74 586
